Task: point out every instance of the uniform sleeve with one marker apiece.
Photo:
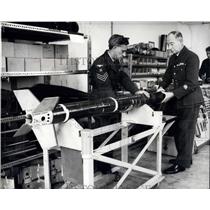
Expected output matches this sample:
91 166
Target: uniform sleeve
191 82
127 83
92 74
167 77
202 70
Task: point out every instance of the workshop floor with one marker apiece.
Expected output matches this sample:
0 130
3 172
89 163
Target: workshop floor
196 177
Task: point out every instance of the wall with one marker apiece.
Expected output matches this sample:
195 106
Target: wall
196 35
200 39
99 33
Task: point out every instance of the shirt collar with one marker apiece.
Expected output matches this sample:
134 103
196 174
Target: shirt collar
110 56
181 52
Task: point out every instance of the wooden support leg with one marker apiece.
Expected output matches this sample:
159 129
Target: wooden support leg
124 149
87 156
159 152
46 169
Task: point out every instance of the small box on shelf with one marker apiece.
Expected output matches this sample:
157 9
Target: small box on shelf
48 51
8 49
32 64
47 64
15 64
72 64
61 64
21 50
35 51
61 51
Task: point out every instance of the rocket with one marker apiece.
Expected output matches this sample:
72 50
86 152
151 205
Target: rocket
50 111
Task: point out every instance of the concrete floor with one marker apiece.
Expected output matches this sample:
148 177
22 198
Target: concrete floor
196 177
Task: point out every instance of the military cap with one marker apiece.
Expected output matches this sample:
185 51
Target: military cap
116 40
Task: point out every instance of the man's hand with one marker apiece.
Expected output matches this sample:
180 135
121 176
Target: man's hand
160 89
142 92
168 96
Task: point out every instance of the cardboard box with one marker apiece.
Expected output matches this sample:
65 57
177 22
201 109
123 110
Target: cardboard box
47 64
32 64
61 51
8 49
61 64
3 64
15 64
72 64
48 51
35 51
21 50
168 146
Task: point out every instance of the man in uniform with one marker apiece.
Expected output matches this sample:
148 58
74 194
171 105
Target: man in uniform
106 78
185 98
105 73
204 72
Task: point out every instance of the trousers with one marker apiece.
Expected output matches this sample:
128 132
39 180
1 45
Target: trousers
184 131
184 134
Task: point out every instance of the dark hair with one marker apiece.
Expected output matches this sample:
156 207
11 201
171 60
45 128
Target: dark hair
208 48
177 34
117 39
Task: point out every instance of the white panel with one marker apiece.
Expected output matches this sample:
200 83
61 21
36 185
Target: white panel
143 115
26 99
68 134
45 134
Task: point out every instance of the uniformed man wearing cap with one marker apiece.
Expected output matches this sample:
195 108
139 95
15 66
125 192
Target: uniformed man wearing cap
204 72
185 98
105 73
106 78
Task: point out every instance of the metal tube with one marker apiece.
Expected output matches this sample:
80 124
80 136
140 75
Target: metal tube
101 106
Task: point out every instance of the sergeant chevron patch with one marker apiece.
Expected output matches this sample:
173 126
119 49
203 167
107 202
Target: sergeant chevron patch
102 77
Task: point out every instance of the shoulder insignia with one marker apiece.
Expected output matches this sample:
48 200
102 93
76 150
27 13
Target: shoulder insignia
102 77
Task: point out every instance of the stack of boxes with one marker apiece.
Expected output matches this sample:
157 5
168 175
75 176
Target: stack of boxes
27 57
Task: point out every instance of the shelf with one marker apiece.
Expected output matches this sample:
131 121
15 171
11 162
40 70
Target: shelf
147 65
21 161
33 33
137 75
148 56
41 73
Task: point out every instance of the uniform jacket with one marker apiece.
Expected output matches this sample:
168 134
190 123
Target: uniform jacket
106 78
205 69
183 72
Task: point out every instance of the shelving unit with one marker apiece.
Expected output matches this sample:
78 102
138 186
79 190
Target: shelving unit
26 32
26 149
145 66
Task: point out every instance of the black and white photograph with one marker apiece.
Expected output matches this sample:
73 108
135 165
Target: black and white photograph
96 105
